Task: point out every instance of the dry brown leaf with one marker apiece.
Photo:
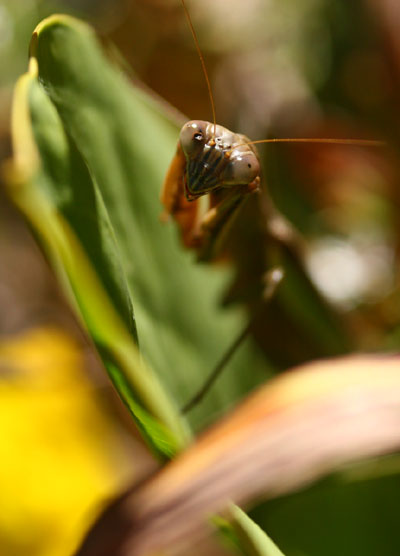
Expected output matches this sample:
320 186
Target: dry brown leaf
302 425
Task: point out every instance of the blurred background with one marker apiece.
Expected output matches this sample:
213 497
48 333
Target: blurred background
278 68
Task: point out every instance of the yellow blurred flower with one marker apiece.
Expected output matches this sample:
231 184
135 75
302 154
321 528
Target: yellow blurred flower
61 454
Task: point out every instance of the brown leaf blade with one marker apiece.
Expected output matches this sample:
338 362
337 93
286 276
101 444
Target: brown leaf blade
306 423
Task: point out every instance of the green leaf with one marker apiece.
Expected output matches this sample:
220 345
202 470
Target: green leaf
253 541
90 153
44 160
127 142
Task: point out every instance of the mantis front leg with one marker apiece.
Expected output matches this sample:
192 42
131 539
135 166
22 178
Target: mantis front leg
216 222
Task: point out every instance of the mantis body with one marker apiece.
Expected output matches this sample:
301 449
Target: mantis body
213 161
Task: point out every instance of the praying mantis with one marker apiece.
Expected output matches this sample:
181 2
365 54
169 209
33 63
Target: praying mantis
212 161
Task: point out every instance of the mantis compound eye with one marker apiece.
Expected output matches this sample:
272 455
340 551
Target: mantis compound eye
192 136
242 168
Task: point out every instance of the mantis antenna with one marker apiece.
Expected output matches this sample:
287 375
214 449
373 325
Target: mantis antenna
322 140
203 65
354 142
